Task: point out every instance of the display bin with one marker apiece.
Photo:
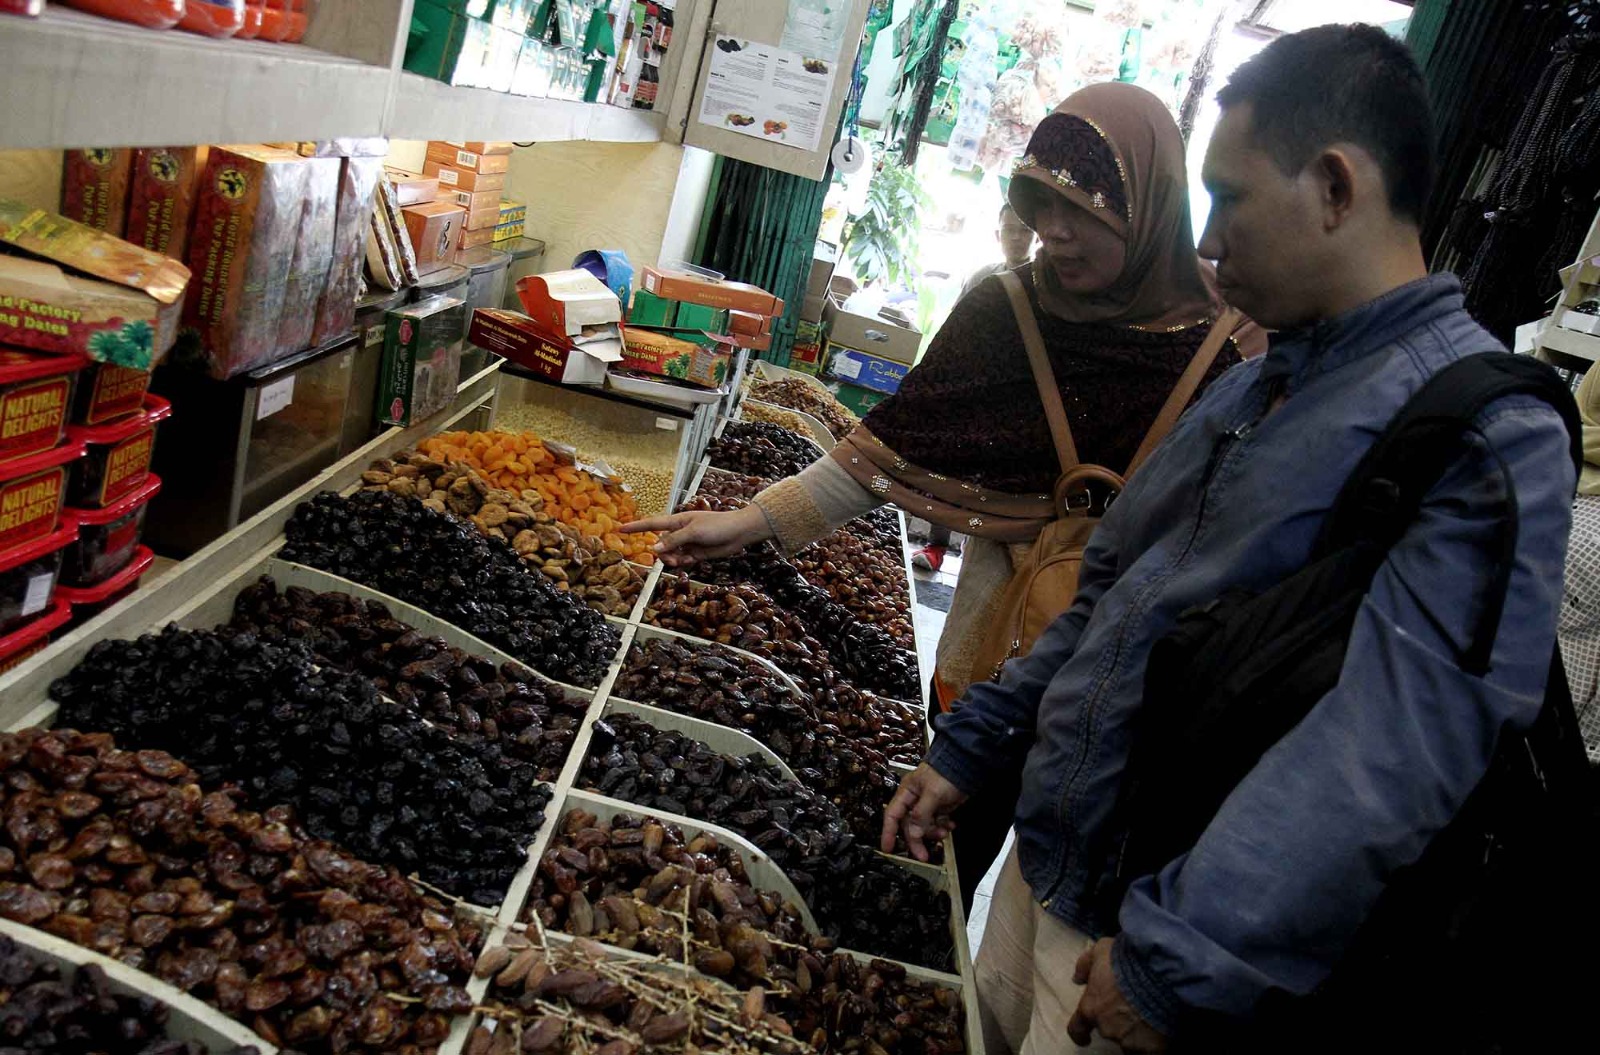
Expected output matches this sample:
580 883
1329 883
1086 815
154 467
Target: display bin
234 447
200 593
361 410
653 446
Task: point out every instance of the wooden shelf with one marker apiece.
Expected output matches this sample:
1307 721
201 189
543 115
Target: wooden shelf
427 109
75 80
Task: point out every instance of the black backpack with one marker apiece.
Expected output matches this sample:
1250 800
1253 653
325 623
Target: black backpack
1474 948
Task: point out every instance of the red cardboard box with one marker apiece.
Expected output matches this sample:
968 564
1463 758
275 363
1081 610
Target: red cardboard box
166 181
516 337
739 296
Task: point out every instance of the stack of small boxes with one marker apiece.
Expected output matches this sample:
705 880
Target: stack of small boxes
811 334
471 176
690 328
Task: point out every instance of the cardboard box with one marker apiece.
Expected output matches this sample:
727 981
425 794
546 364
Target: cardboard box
508 231
1579 321
412 188
758 343
486 218
872 334
467 160
473 201
513 212
452 178
520 340
812 307
94 187
873 372
565 303
246 229
421 360
856 399
336 308
85 291
700 317
693 289
810 332
473 239
748 323
650 310
478 146
313 254
165 183
435 229
805 353
670 354
824 258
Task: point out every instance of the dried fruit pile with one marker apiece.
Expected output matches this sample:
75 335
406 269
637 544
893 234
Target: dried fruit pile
128 853
445 567
529 718
755 410
635 883
858 898
868 580
796 394
755 448
561 999
581 563
521 461
363 771
45 1014
725 491
850 652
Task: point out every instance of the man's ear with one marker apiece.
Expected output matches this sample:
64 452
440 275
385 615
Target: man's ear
1336 174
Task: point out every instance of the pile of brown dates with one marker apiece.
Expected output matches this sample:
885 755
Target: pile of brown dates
446 567
583 565
859 898
127 853
869 581
359 769
532 719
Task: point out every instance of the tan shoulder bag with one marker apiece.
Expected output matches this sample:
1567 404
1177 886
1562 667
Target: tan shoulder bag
1045 583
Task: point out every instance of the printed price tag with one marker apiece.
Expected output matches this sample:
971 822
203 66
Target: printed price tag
38 594
667 424
275 397
846 367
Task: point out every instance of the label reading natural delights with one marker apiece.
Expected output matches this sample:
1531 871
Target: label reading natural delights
117 391
28 506
127 466
31 417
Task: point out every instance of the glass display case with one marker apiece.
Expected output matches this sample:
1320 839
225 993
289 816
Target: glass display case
653 446
234 447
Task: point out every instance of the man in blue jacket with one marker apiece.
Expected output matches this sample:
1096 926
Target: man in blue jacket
1318 173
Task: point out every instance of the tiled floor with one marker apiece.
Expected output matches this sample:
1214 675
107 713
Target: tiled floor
929 624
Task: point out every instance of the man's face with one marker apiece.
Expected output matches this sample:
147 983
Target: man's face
1016 239
1265 231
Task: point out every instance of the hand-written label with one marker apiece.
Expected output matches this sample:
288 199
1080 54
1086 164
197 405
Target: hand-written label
846 367
274 397
667 424
38 595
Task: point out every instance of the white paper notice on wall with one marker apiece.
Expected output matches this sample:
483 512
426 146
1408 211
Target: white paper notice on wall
816 27
846 367
274 397
37 594
767 92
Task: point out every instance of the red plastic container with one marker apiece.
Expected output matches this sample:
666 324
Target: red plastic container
214 18
32 492
30 575
91 601
107 537
35 400
153 14
107 392
118 462
27 640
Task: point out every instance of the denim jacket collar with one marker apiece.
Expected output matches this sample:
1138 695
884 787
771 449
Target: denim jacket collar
1308 351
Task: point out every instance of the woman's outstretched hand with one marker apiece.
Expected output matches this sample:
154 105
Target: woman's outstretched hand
688 538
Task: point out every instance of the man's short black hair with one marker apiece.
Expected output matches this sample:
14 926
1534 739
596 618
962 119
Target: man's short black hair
1353 84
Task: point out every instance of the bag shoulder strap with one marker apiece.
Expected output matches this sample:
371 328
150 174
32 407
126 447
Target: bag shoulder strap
1187 386
1385 492
1054 411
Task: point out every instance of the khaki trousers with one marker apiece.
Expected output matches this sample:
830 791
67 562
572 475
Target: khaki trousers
1024 972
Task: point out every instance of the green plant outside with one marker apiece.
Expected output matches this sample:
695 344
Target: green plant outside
883 239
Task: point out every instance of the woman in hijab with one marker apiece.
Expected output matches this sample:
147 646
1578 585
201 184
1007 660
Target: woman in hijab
1123 304
1579 628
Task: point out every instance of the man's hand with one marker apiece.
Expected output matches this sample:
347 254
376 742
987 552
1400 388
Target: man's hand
921 809
688 538
1104 1008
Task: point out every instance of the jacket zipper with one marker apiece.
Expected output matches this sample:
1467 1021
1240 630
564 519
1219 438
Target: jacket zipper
1219 452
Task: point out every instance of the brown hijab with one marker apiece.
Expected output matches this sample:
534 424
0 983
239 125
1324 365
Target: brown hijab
1113 150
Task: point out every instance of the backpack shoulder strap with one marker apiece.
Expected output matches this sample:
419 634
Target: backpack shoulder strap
1055 412
1384 494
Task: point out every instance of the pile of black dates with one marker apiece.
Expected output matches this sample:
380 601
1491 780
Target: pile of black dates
760 448
631 881
859 898
44 1014
360 770
444 566
531 719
